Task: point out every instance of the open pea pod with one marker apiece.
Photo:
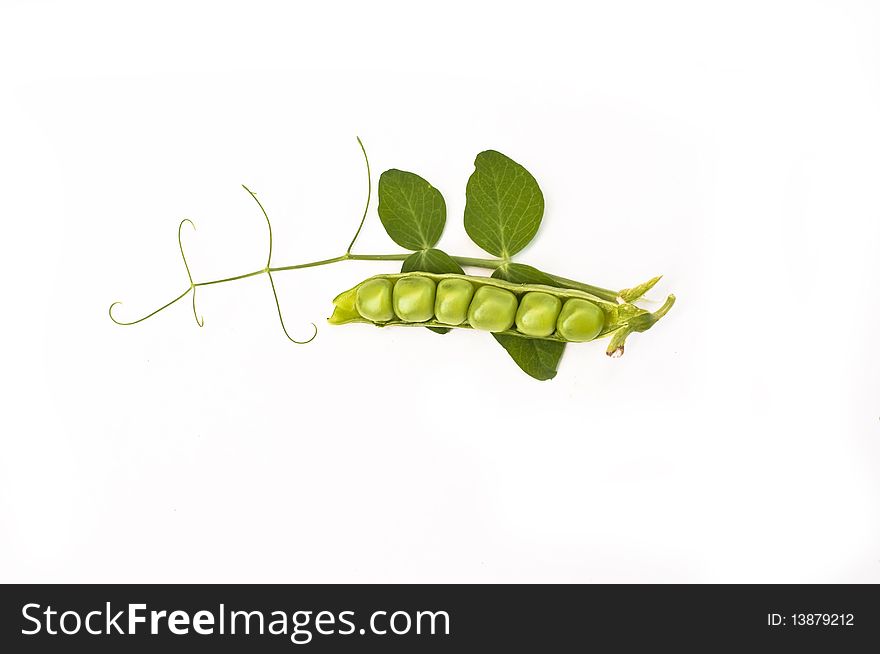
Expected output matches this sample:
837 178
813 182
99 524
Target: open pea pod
538 311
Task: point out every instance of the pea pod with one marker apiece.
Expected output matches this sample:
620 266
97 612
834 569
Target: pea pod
471 302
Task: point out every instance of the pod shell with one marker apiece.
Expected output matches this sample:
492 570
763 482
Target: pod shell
615 315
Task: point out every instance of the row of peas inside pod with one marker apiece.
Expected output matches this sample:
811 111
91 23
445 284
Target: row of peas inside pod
475 302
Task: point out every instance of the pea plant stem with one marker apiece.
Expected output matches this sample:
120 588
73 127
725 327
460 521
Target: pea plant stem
269 269
473 262
598 291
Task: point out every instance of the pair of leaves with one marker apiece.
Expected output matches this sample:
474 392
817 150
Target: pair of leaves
502 215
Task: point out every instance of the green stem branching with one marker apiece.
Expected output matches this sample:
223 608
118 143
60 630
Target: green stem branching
268 269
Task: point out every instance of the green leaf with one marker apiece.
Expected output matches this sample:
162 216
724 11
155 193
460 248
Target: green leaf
537 358
520 273
504 205
432 261
412 211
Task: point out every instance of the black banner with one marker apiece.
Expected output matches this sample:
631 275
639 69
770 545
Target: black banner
435 618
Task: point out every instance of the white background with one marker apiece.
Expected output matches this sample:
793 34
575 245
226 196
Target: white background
733 147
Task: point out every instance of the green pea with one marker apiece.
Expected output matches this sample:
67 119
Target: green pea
453 299
414 299
493 309
537 314
373 300
580 320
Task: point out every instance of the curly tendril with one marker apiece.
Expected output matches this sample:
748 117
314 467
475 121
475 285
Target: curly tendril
281 318
149 315
193 285
272 281
199 321
369 195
